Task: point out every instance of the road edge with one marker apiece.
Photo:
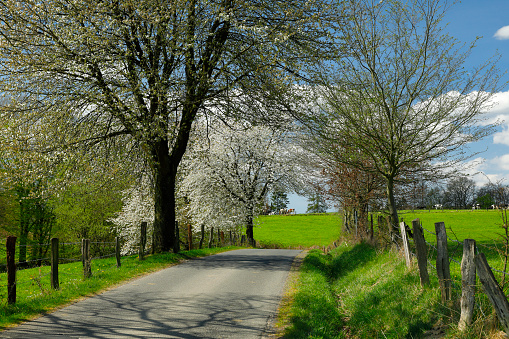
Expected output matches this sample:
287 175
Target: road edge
279 321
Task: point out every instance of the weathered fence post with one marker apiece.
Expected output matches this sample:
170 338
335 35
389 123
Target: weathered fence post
143 240
202 235
117 250
85 258
421 252
443 270
190 236
211 237
467 284
176 245
11 269
406 250
493 290
54 264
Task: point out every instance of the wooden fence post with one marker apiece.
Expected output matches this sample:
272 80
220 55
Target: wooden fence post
117 251
406 250
467 284
421 252
190 236
143 240
54 264
176 245
211 238
202 235
11 269
493 290
85 258
443 270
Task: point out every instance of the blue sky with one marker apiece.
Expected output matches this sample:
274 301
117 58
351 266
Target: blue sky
488 20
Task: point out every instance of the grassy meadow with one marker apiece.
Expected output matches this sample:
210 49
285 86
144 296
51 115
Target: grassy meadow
300 230
484 226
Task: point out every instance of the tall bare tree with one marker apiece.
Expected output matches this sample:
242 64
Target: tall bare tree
140 72
398 93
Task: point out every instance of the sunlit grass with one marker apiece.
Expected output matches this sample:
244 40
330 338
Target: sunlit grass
303 230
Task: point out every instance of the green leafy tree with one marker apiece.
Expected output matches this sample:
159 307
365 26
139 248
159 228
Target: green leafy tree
279 200
316 204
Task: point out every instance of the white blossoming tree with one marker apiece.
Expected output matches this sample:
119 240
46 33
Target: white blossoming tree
232 175
138 207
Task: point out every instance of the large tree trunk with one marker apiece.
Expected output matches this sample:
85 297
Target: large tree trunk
164 198
393 211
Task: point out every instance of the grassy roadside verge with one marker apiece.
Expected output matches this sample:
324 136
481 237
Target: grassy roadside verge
357 292
35 296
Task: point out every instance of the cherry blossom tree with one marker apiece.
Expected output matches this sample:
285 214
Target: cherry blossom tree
233 173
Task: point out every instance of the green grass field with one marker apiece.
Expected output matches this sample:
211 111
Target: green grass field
481 225
304 230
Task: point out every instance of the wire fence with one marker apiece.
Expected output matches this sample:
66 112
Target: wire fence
44 260
454 249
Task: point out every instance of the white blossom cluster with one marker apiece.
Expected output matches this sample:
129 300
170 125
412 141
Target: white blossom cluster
138 206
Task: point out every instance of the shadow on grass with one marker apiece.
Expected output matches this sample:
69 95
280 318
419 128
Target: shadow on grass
315 310
378 300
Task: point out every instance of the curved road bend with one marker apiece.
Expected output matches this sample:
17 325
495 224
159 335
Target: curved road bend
228 295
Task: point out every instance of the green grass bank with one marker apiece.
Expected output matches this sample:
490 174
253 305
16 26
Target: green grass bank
359 291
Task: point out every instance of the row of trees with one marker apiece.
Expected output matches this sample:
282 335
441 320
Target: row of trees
457 193
195 110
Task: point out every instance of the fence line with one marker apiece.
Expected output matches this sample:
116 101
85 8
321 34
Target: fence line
82 254
468 268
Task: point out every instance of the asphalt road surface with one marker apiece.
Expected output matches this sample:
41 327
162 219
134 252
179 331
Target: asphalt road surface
228 295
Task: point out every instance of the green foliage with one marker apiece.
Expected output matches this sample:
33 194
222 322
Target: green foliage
279 200
298 230
316 204
84 210
35 296
485 201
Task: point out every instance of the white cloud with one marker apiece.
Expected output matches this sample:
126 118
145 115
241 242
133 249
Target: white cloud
502 33
502 137
502 162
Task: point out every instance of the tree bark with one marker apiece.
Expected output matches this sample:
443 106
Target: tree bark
164 198
393 211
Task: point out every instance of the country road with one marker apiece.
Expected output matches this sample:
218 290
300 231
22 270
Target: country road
228 295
